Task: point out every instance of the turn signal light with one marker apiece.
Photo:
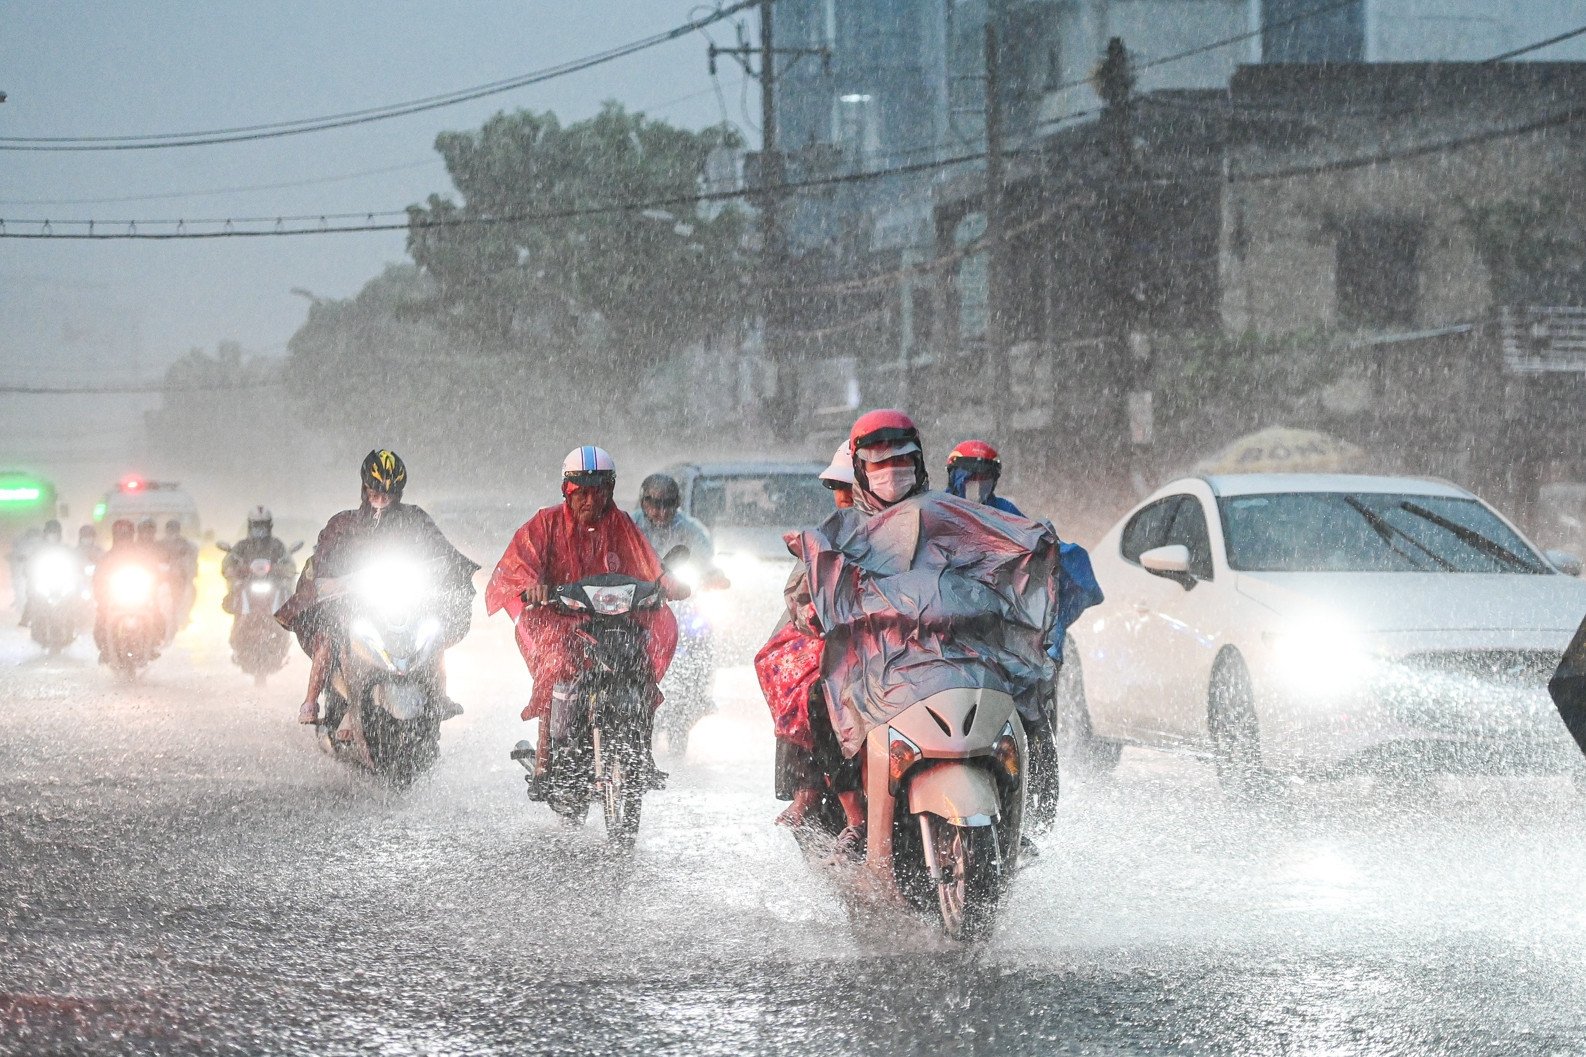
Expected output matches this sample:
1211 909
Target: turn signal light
901 755
1007 751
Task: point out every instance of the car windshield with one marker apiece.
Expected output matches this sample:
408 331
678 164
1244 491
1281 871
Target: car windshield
1370 532
774 500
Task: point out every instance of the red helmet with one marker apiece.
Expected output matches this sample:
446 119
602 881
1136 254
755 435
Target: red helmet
883 434
978 450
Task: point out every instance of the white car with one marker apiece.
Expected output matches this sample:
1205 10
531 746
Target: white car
1322 625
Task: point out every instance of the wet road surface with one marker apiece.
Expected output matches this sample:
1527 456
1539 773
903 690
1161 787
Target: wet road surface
182 872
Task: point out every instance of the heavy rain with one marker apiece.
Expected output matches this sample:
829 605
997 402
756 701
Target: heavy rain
793 527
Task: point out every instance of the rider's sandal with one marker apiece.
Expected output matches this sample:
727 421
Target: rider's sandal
849 845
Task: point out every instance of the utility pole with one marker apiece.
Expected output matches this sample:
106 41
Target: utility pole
772 272
1126 350
996 251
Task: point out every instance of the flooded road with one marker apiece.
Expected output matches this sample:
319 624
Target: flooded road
182 872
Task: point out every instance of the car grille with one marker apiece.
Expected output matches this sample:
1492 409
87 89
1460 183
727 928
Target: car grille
1496 668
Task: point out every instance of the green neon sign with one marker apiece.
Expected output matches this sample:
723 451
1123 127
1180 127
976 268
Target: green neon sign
20 494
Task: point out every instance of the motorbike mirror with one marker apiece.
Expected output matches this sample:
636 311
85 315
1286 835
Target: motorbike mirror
223 545
296 547
677 556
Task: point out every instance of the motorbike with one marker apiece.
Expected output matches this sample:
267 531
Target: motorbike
601 721
379 710
57 598
259 643
690 680
944 785
133 618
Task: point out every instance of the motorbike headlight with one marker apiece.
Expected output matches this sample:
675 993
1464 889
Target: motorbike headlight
132 586
1319 654
428 630
55 574
261 587
393 585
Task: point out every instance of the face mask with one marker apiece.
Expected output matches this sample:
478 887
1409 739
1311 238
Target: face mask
892 483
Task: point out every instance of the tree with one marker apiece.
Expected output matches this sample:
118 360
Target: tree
585 294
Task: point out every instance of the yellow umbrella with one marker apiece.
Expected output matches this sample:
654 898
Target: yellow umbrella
1278 449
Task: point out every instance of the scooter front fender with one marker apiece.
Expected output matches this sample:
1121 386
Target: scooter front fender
961 792
402 699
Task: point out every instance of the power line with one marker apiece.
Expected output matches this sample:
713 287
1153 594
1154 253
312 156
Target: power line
166 195
1539 45
299 126
134 389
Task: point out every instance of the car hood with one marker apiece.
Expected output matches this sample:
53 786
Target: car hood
1392 602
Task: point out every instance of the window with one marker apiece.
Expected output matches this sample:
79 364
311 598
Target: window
1189 530
774 500
1299 33
1378 272
1148 529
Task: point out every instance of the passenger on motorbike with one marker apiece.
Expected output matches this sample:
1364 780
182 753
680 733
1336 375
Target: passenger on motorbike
49 540
260 543
380 520
973 470
125 549
583 536
88 547
181 560
664 524
839 477
888 466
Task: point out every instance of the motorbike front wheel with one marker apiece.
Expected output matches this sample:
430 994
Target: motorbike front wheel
622 796
971 878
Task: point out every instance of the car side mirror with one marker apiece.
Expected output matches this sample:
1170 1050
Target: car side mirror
223 545
295 547
676 556
1171 563
1565 562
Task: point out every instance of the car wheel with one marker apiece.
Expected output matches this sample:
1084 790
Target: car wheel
1080 750
1235 734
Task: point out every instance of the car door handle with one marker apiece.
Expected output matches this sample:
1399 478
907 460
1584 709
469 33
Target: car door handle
1142 609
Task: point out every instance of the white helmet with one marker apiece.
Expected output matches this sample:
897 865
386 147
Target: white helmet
589 465
840 474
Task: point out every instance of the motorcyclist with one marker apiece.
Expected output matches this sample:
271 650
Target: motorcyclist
582 536
887 464
259 543
21 553
381 519
839 477
181 560
49 539
125 549
88 546
973 470
664 524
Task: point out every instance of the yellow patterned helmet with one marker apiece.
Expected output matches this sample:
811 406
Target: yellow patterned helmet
384 472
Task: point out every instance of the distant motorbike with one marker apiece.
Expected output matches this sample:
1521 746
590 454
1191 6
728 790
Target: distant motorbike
379 710
57 598
134 618
601 721
259 643
690 680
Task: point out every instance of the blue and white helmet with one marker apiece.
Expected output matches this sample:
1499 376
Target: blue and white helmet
588 467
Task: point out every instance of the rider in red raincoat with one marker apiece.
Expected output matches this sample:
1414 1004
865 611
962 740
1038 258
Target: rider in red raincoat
583 536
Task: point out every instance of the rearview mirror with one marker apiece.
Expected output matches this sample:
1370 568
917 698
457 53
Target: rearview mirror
223 545
296 547
1565 562
677 556
1171 563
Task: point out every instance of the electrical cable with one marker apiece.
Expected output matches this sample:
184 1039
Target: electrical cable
299 126
420 163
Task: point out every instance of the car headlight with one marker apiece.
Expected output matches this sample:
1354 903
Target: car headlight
132 586
1319 654
750 571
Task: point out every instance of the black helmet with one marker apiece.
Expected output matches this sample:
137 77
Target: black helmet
121 530
52 530
260 524
87 533
173 527
384 472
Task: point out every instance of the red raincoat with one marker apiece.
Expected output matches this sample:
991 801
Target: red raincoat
552 549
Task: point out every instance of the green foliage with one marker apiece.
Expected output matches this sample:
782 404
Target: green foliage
598 291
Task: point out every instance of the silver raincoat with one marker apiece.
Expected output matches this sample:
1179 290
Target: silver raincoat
935 593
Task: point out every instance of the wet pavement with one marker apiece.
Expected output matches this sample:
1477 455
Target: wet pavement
182 872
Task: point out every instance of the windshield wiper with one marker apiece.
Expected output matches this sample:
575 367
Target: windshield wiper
1490 547
1387 530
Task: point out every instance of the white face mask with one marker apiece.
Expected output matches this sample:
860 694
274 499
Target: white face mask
892 483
